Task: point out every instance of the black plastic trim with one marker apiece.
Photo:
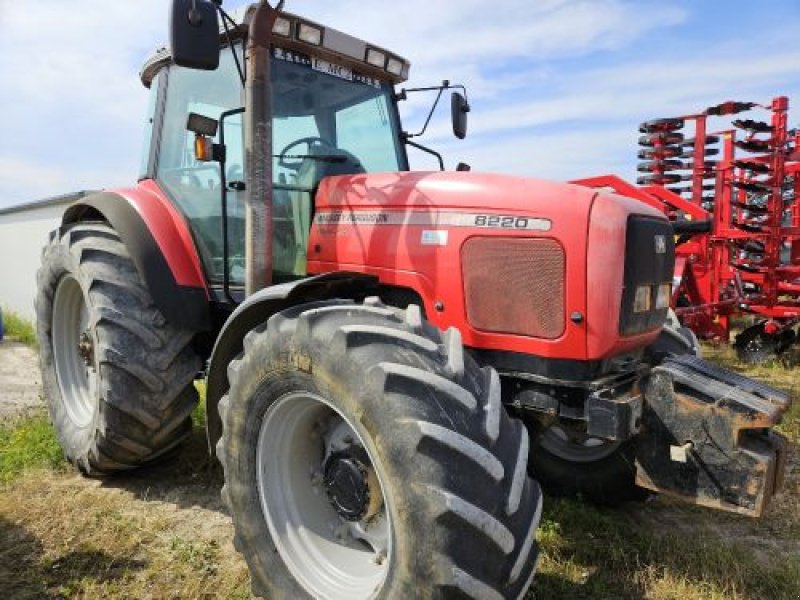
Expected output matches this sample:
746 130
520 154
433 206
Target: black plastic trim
184 307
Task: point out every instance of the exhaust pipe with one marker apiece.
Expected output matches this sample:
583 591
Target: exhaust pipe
258 149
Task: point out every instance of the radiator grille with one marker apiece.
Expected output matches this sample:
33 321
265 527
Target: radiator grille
515 285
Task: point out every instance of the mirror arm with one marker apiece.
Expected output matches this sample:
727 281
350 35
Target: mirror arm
441 89
228 23
424 149
403 95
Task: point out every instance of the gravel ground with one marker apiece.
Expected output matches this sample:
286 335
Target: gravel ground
20 380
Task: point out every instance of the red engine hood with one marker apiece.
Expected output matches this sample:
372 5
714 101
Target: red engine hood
451 190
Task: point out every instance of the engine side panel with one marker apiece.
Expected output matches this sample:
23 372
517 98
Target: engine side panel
408 229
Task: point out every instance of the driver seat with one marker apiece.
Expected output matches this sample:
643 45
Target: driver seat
309 176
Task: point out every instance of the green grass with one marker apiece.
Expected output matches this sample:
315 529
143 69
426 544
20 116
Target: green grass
19 329
28 444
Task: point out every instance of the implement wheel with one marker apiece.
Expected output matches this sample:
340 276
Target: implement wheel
366 456
117 377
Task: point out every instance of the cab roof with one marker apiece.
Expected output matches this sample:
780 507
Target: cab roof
335 46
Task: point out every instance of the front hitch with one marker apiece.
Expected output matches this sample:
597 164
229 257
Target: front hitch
707 436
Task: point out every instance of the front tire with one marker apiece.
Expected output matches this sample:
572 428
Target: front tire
118 378
458 508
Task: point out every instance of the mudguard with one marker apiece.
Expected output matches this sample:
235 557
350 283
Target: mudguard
257 309
161 246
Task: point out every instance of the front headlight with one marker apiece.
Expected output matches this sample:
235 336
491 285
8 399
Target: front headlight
663 295
643 301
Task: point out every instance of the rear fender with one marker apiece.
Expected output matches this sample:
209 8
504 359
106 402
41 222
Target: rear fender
161 247
256 310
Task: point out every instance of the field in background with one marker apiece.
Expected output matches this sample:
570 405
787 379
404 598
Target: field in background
162 531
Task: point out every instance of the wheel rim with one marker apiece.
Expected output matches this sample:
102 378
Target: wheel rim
571 442
73 350
302 437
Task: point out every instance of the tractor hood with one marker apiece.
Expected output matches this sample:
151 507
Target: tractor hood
453 190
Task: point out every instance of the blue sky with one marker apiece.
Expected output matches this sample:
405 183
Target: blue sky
558 87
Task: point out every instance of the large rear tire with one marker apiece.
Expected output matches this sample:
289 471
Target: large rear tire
118 378
366 456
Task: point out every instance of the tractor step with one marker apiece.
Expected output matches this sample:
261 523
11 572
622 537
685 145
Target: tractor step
707 436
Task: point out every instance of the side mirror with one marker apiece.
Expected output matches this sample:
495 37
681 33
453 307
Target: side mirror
194 34
460 109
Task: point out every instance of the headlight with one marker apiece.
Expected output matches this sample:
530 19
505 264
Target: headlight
663 296
310 34
395 67
643 301
282 27
376 58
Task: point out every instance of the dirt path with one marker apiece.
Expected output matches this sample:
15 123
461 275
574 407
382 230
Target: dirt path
20 380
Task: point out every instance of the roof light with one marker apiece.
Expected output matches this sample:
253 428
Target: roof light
395 66
376 58
282 27
310 34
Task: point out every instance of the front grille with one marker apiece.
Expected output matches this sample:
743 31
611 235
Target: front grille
649 260
515 285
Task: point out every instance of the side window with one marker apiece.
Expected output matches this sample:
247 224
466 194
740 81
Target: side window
365 130
150 117
196 186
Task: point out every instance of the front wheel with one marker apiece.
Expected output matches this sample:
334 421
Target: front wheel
366 456
568 461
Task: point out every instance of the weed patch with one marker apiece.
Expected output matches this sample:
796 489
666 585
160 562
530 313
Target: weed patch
19 329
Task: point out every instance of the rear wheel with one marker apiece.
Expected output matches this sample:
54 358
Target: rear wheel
117 377
366 456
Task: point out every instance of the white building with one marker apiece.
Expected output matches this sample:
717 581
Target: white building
24 231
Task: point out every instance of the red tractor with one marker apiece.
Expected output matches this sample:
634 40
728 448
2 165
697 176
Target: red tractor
383 349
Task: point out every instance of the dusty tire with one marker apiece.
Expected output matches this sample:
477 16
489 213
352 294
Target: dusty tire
451 463
132 404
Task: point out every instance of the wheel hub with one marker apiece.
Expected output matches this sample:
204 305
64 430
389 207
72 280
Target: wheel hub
86 348
347 485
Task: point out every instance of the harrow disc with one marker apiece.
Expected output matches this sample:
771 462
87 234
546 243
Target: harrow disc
661 125
664 179
660 153
754 126
659 165
710 139
656 139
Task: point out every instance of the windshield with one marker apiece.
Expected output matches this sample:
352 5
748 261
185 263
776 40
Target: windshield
327 120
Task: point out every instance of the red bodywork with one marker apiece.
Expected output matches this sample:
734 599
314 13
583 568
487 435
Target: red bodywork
393 226
169 230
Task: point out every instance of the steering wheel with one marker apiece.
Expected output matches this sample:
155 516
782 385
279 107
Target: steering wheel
295 165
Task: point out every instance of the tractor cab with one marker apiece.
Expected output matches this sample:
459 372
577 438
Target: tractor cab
333 113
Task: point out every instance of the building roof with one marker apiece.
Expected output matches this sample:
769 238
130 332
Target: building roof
45 202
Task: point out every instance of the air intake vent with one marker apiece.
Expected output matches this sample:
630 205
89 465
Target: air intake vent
515 286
